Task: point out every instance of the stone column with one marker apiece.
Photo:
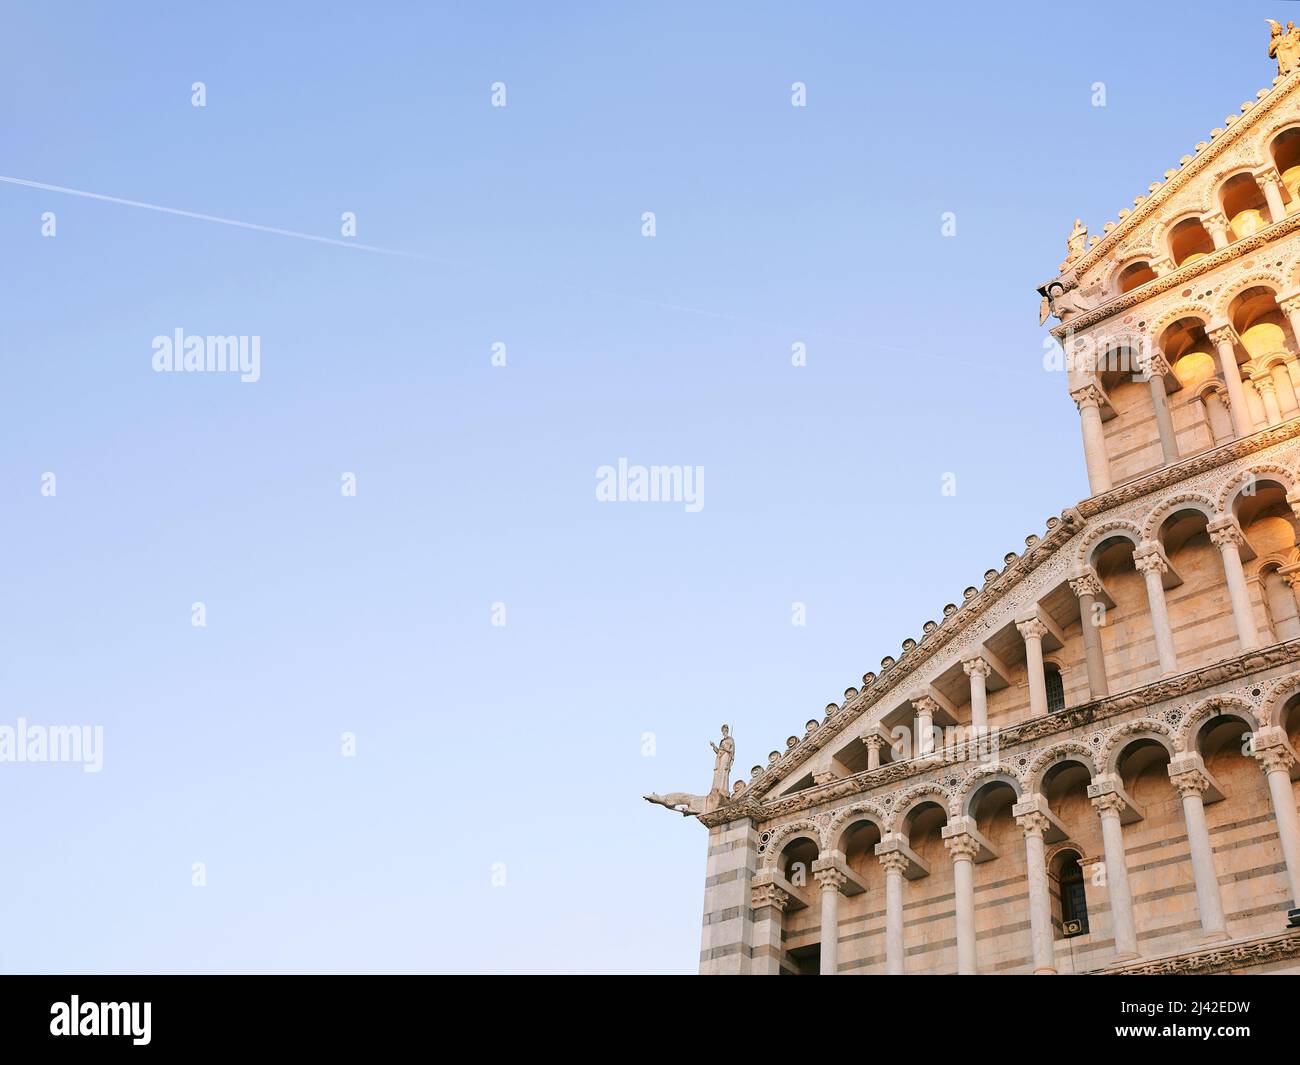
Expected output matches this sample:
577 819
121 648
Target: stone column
1191 782
1224 339
894 865
1267 389
978 670
925 708
1151 564
768 903
1040 905
963 847
832 882
1225 535
1291 308
1160 402
1217 226
1088 400
1087 588
1218 418
1276 761
1033 632
1109 806
873 744
1271 183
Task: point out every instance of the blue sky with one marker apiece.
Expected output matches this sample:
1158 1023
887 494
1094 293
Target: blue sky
523 744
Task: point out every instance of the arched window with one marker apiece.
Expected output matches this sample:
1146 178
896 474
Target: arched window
1055 689
1074 901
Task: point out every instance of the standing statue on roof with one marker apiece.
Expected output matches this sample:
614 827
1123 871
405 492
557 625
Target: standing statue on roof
1284 47
689 805
1078 237
726 754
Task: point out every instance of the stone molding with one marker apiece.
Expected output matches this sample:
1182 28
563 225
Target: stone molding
1216 959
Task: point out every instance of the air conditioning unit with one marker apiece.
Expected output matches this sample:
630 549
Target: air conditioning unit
1072 928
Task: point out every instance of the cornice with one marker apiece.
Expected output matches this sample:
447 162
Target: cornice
1219 958
1141 698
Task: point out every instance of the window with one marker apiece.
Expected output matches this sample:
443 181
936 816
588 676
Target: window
1074 903
1055 691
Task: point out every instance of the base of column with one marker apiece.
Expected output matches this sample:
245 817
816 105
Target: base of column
1045 972
1128 955
1215 937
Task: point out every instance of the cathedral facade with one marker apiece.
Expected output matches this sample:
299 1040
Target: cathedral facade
1089 763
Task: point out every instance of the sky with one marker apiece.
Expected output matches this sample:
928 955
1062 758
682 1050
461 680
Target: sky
436 672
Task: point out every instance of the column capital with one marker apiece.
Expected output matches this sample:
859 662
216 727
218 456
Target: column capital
1034 823
972 666
1032 629
1290 304
1086 584
1270 749
1109 802
1225 531
1087 396
962 846
1263 381
1148 558
1189 778
768 894
829 876
1157 365
924 704
1221 334
893 862
1269 176
873 742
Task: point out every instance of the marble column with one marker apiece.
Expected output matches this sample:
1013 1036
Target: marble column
1156 371
1033 632
1151 564
1109 806
1267 389
1227 537
1291 308
1217 226
978 670
1271 183
925 708
1276 760
831 881
1087 588
1088 400
1224 339
873 745
1191 782
1040 905
768 903
963 848
894 865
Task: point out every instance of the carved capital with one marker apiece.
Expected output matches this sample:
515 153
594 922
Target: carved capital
1224 533
1189 781
1269 747
1264 383
1109 802
1087 396
925 705
1033 629
962 847
873 742
1033 823
977 666
1150 561
830 878
1224 334
893 862
1088 584
1290 305
1268 177
769 895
